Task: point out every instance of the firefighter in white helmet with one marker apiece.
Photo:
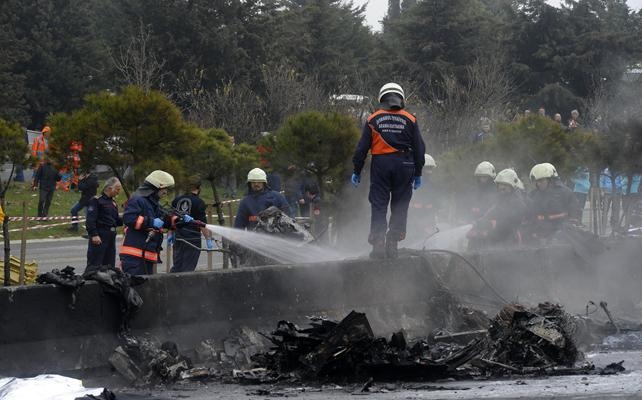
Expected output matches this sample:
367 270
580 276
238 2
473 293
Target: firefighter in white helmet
392 137
551 203
259 197
483 195
145 221
500 225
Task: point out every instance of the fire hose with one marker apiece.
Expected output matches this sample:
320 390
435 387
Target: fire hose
219 250
471 266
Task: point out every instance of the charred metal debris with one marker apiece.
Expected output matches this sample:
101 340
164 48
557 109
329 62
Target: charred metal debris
518 341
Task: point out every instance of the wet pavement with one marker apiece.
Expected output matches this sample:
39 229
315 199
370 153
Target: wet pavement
622 386
58 253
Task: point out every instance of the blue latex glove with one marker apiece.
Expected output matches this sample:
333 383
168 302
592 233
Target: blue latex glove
355 179
158 223
417 184
210 244
171 239
187 219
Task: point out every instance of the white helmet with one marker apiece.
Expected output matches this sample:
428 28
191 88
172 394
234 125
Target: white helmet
430 162
391 87
485 168
160 179
543 171
552 167
520 184
508 177
257 175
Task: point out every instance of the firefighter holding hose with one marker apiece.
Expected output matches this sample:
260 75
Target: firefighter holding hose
145 221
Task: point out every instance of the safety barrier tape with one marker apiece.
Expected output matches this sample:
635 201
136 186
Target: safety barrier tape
230 201
80 220
66 217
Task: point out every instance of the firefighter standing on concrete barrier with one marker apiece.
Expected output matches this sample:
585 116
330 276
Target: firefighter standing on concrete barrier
500 224
145 222
392 136
102 221
551 203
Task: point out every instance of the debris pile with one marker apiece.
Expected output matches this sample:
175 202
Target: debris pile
349 349
520 340
120 286
65 278
146 362
540 337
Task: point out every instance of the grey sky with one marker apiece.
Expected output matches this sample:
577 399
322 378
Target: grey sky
377 9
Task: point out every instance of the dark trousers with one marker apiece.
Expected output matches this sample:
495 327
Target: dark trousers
581 201
185 257
44 201
82 203
104 253
390 183
136 266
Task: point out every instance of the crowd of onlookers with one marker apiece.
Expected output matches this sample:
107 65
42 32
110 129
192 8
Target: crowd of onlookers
485 123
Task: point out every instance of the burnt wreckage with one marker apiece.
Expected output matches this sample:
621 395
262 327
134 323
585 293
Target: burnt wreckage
271 221
518 341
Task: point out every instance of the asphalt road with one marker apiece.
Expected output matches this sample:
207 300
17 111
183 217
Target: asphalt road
58 253
622 386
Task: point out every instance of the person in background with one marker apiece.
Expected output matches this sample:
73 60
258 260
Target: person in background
484 193
292 189
40 147
102 221
310 196
552 203
611 199
574 122
186 240
581 186
45 179
500 225
485 132
88 186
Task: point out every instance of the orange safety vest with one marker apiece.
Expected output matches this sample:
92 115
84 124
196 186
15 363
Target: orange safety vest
379 145
39 147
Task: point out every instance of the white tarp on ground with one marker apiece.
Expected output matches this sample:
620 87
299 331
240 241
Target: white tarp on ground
44 387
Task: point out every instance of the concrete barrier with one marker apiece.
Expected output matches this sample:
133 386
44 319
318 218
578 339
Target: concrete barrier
40 333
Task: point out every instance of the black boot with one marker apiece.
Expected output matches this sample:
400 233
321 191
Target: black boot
391 248
392 239
378 248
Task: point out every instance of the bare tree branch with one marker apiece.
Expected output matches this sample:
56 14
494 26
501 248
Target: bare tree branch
137 63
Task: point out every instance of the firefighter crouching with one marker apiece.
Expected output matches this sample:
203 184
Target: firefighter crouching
484 194
551 203
145 221
500 225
